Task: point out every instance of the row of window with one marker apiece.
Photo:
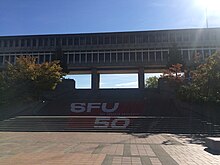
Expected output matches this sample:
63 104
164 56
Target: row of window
109 39
112 56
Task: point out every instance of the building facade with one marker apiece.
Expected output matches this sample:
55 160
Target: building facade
140 52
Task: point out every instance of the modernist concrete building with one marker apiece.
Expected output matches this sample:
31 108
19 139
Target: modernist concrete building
118 52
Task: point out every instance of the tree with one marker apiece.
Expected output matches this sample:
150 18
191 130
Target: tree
205 85
28 79
152 82
174 56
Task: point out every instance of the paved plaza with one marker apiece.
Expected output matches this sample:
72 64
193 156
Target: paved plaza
86 148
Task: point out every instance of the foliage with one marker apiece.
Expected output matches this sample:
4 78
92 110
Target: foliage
28 79
152 82
173 73
174 56
205 85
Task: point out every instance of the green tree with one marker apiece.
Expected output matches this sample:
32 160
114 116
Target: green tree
28 79
205 85
152 82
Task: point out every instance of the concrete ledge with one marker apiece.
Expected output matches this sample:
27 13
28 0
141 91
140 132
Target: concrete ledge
213 143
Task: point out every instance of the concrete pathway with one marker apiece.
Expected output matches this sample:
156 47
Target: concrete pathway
82 148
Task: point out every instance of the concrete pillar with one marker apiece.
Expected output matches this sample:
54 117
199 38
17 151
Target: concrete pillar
141 81
95 79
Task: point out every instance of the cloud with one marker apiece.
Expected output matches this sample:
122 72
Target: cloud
133 84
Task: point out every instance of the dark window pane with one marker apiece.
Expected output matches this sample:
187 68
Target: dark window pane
94 40
70 41
89 57
107 57
41 60
139 39
83 58
71 58
47 58
88 40
120 57
107 40
119 39
101 57
76 58
1 59
34 43
145 38
22 43
165 55
132 39
152 57
126 56
101 40
12 60
64 41
11 43
158 56
151 38
132 56
139 56
52 43
82 41
46 42
113 57
113 40
126 39
28 42
16 43
76 41
145 56
58 41
40 42
95 57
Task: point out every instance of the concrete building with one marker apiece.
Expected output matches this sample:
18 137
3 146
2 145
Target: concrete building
118 52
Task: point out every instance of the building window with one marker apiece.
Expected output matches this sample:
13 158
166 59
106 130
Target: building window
71 58
22 43
107 40
107 57
132 39
5 43
101 41
145 38
34 43
119 39
132 56
47 58
94 40
16 43
70 41
11 43
58 41
88 40
1 59
151 38
28 42
95 57
158 56
64 41
89 57
76 41
113 57
126 56
165 55
139 39
41 59
120 57
82 41
101 57
113 40
83 58
77 58
145 56
126 39
52 43
40 42
152 57
139 56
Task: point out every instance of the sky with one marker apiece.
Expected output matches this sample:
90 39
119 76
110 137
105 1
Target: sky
24 17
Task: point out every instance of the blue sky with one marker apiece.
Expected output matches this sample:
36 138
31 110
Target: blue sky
19 17
79 16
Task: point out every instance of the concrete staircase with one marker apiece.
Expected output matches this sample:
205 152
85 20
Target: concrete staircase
107 123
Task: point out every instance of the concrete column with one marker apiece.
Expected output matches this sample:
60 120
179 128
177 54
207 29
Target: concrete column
141 84
95 79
